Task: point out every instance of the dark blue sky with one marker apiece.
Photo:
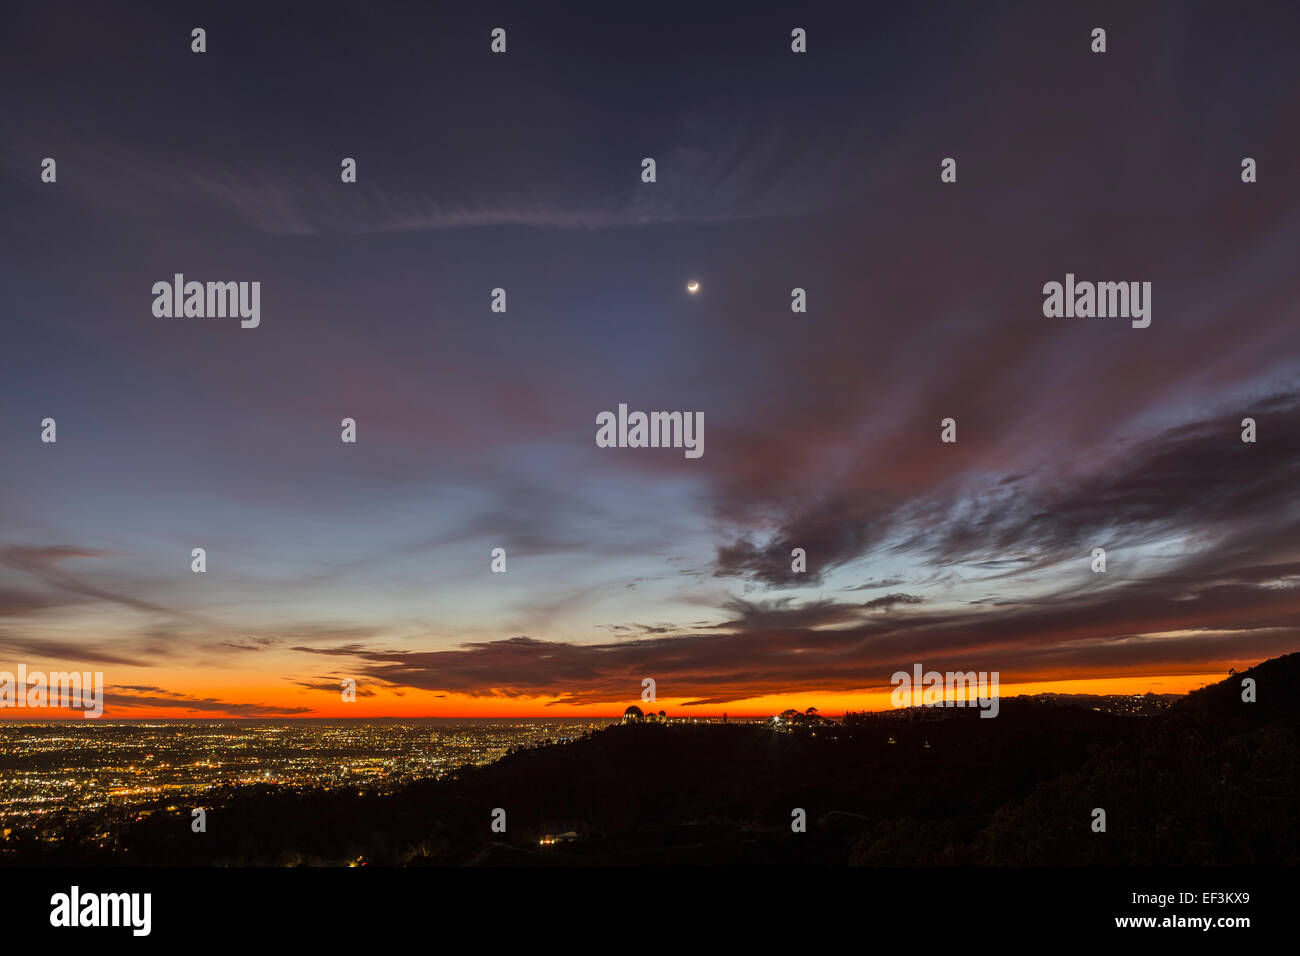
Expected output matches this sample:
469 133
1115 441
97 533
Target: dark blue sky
476 430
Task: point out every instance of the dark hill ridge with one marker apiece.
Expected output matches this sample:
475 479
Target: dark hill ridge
1211 781
1214 781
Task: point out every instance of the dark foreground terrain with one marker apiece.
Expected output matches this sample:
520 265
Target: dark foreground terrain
1211 781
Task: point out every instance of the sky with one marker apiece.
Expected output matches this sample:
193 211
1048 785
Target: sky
476 429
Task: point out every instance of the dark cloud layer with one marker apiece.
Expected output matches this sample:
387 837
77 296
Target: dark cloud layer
1235 591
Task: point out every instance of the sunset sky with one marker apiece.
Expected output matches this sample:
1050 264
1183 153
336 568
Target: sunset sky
476 430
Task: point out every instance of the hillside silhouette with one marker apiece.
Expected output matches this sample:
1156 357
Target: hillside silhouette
1211 781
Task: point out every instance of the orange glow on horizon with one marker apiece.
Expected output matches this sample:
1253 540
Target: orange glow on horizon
242 703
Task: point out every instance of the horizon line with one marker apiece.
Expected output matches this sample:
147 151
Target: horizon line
572 717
